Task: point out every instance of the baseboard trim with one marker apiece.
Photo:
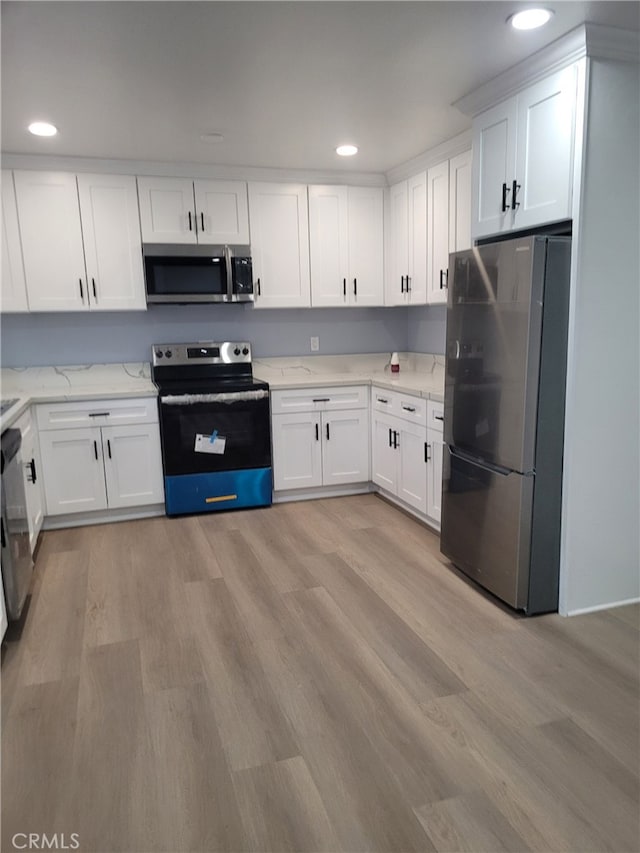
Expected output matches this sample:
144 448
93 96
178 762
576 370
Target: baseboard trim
288 495
609 606
57 522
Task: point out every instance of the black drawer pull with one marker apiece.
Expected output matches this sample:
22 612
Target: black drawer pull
99 414
409 408
322 399
382 400
438 417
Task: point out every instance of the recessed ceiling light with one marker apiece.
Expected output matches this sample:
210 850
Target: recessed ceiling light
347 150
212 137
530 19
42 128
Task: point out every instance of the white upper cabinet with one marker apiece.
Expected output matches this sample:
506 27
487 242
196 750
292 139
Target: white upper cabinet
14 291
112 247
437 232
523 157
346 245
407 282
180 210
49 217
167 210
460 202
280 245
81 241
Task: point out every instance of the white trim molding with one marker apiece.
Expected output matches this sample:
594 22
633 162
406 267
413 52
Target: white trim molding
451 148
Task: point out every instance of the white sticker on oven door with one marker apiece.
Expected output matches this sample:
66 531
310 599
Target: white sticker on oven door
213 443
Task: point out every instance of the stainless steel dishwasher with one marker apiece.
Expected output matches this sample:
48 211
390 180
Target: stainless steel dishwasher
17 565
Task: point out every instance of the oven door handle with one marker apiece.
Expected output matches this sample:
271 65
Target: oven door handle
227 260
222 397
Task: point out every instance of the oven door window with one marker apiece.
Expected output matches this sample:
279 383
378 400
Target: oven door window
185 277
240 430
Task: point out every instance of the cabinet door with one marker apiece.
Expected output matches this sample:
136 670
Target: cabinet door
365 284
32 473
133 465
494 158
14 288
398 243
434 475
438 232
49 217
73 470
279 222
384 459
345 451
328 245
297 451
222 212
460 202
112 242
544 149
167 210
417 198
412 475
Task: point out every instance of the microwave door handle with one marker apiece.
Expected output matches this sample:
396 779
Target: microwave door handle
227 260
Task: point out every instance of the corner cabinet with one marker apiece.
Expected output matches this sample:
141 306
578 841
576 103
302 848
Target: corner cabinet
346 245
279 219
13 296
523 154
80 241
181 210
100 455
407 283
320 437
32 475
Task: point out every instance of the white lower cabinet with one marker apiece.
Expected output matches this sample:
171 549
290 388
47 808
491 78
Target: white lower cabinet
435 451
316 445
406 459
90 468
32 473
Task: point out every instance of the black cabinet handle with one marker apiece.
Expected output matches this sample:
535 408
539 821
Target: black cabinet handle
95 448
109 448
317 433
99 414
438 417
95 294
390 442
328 435
409 408
515 186
321 399
427 455
355 287
32 466
81 290
401 284
441 279
190 225
344 287
381 400
258 285
202 220
396 443
505 190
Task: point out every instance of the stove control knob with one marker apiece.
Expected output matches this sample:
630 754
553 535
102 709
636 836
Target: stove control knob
159 353
245 351
168 353
236 351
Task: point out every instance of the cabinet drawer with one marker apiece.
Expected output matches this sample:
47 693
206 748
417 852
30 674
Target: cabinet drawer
405 406
319 399
134 410
435 415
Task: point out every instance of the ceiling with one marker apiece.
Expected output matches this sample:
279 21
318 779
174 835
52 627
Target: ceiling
284 82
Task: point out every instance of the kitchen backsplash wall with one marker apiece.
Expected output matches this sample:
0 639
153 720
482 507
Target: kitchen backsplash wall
54 339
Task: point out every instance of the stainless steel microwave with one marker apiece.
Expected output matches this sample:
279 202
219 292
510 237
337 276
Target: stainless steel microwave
187 273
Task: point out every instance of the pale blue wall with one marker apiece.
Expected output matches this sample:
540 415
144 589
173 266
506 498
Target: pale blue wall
426 329
37 339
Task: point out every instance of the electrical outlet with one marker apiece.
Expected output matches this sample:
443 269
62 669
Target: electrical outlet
315 344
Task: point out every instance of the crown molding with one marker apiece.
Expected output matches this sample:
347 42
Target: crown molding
451 148
189 170
592 40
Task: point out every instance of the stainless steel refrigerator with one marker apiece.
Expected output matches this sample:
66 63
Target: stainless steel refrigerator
504 417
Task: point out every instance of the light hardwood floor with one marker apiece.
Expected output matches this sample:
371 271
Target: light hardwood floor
308 677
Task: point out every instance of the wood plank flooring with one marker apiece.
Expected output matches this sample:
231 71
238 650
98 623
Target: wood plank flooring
308 677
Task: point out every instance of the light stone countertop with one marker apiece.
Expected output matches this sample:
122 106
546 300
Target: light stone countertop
421 375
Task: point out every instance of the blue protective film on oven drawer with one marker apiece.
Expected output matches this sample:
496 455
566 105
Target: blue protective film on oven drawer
191 493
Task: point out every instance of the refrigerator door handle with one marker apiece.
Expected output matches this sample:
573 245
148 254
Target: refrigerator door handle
473 460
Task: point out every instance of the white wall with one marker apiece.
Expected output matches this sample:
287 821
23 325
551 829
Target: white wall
601 504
